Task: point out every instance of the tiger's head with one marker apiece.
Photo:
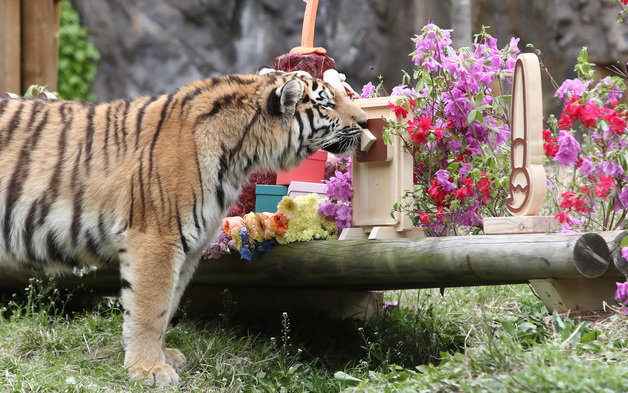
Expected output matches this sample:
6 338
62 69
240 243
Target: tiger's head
315 115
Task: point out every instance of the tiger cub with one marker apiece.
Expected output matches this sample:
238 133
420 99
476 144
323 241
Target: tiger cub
143 184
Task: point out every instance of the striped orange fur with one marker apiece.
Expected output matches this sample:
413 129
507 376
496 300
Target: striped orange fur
143 184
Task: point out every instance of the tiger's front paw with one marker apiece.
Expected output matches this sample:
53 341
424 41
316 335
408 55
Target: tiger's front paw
175 358
161 374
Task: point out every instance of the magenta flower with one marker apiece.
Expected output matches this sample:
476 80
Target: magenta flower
339 187
442 176
570 88
568 149
368 91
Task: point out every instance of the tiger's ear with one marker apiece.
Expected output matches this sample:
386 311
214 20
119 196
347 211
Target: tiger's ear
283 100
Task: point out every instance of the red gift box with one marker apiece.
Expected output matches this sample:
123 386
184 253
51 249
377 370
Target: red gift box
312 170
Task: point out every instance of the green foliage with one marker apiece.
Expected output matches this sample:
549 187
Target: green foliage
485 339
77 57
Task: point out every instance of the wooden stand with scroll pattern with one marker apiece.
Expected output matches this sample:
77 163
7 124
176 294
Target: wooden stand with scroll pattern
527 193
381 173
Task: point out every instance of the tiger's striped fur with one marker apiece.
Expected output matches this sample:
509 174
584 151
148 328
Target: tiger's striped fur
144 184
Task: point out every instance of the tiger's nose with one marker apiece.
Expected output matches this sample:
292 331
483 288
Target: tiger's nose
363 124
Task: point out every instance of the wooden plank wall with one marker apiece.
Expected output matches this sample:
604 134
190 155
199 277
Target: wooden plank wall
29 49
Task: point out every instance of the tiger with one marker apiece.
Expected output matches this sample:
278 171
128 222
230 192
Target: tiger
142 184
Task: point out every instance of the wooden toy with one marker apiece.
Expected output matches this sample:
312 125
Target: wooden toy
380 174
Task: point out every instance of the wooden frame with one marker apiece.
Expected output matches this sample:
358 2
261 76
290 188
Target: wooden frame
29 54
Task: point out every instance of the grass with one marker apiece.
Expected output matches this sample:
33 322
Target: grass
482 339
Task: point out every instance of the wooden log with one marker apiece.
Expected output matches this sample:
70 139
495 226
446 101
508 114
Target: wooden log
10 75
415 263
40 43
401 263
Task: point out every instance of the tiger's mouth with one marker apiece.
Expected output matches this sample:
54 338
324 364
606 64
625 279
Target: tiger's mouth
345 144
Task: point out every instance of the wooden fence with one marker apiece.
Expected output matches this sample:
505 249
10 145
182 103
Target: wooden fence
29 44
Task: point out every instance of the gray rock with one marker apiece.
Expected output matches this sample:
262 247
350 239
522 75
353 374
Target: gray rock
154 46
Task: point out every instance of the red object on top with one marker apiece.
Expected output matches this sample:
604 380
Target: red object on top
313 63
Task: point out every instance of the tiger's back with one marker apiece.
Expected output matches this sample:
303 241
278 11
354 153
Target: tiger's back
143 184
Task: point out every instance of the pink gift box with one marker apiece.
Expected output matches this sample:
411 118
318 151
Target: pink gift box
299 188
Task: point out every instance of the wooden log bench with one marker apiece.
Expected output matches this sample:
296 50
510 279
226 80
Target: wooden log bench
339 277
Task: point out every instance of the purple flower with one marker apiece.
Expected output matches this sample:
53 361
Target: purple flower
390 304
586 169
571 87
613 90
442 176
622 197
368 91
612 168
621 295
339 187
403 90
624 253
464 169
568 149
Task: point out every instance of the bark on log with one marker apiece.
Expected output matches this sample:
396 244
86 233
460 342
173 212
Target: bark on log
397 264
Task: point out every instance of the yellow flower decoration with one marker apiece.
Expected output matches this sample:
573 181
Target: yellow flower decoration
305 222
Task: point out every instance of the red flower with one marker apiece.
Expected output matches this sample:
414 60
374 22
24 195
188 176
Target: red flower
425 218
466 190
572 202
604 186
573 108
484 185
399 110
419 129
562 217
615 121
436 192
550 148
412 103
589 114
564 123
440 214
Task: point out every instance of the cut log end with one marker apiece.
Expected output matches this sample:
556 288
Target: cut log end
591 255
620 262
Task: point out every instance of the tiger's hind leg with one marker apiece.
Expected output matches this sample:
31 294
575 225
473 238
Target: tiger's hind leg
149 269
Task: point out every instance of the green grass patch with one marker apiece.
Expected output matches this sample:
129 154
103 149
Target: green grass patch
484 339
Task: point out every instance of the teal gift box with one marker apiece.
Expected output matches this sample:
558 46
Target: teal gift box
268 196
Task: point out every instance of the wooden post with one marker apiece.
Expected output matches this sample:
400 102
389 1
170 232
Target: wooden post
10 39
40 42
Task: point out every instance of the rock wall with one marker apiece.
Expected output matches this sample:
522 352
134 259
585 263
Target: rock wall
153 46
